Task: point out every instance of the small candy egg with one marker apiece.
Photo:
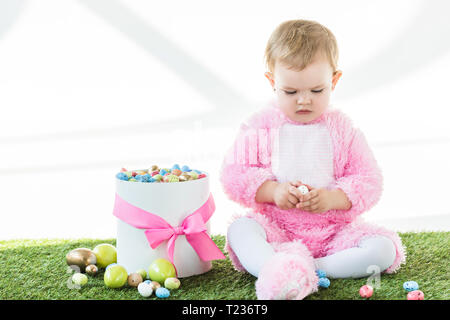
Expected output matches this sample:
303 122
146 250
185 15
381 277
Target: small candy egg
410 286
80 279
171 178
145 289
303 189
162 172
154 173
415 295
143 273
324 282
133 180
172 283
176 167
155 285
91 269
202 175
154 167
134 173
123 170
157 177
198 171
176 172
185 168
162 293
134 279
128 173
366 291
186 175
122 176
194 175
321 273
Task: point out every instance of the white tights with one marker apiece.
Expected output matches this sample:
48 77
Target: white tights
248 241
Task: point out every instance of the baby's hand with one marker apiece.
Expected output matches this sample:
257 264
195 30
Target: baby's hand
315 201
283 196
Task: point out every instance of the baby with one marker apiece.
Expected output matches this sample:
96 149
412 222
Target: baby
300 140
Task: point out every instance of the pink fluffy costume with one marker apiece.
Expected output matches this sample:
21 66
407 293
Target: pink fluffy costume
328 152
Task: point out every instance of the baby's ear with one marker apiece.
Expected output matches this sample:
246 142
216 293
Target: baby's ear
336 75
269 77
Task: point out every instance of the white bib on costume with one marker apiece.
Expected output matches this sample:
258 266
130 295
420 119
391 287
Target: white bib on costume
305 153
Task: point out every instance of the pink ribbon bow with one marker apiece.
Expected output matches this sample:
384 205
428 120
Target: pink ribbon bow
158 230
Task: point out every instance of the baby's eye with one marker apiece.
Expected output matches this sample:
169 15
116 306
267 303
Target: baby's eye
317 91
290 92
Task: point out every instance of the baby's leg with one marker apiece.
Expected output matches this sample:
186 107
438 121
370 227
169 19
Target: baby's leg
353 262
248 240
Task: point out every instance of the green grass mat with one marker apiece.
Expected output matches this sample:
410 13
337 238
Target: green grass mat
36 269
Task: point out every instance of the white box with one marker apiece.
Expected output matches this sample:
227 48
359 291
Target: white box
173 202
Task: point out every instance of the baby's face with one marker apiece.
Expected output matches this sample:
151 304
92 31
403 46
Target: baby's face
308 90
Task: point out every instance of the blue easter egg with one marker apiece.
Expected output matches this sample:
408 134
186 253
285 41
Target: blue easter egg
162 172
185 169
176 166
410 286
122 176
321 273
324 282
162 292
147 281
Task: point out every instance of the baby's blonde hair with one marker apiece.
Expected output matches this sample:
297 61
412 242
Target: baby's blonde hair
295 43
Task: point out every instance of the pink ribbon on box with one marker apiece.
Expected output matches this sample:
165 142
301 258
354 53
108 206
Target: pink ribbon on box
158 230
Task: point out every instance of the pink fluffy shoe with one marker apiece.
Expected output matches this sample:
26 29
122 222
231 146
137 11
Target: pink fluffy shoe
286 276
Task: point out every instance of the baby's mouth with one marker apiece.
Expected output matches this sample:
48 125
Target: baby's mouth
303 111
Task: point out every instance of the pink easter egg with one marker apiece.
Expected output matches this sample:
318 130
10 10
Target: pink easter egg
123 170
154 173
366 291
415 295
202 175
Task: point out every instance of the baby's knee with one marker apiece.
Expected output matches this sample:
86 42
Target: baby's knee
245 226
381 250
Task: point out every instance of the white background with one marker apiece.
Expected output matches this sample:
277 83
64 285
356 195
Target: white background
89 87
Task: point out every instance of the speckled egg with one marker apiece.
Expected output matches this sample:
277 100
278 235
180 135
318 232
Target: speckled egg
321 273
415 295
410 286
194 175
303 189
134 279
145 289
91 269
172 283
162 293
324 282
155 285
171 178
122 176
366 291
185 168
176 172
80 279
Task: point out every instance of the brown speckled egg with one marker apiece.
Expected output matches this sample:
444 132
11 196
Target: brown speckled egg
155 285
134 279
91 269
